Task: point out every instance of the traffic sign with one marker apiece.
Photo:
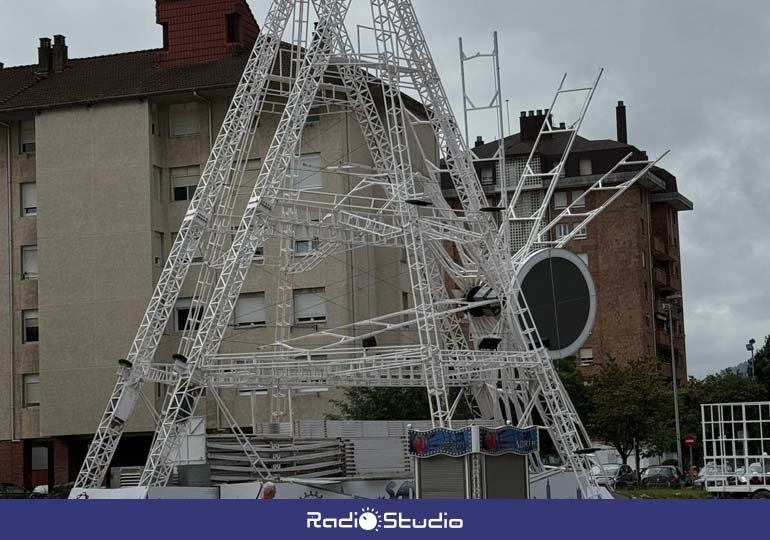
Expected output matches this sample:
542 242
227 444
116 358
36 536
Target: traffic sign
690 440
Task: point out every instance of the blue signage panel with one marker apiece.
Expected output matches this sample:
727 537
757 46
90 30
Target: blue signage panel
459 442
508 440
440 441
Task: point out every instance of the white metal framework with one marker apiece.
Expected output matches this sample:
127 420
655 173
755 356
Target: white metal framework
394 203
736 448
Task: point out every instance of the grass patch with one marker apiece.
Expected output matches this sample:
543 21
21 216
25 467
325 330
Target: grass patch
665 493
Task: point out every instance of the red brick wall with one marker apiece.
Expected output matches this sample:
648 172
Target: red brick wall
60 462
197 29
12 463
614 247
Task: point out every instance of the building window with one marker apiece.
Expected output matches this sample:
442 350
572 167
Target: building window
183 312
562 230
581 233
31 383
583 257
644 259
306 172
305 247
585 167
309 306
39 458
184 119
487 176
30 326
157 249
646 291
29 199
165 35
157 183
250 310
184 180
586 357
560 199
313 116
27 137
577 202
29 267
259 255
233 21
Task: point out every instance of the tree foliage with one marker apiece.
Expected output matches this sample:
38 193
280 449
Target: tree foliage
576 386
391 404
629 405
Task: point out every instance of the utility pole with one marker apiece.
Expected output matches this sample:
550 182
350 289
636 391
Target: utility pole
750 347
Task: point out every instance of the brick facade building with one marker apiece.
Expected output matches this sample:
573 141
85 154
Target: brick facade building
631 248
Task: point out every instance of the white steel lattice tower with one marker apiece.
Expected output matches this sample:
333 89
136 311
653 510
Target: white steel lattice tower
389 82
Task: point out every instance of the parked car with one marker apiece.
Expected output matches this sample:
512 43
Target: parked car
12 491
614 475
662 476
715 474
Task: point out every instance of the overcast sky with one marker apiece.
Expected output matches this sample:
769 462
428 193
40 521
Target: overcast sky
694 76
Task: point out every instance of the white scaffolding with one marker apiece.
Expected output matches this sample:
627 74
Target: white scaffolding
449 252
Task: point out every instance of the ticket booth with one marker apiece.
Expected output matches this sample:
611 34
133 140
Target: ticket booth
474 462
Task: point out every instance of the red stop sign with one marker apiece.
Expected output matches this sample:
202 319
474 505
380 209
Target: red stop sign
690 440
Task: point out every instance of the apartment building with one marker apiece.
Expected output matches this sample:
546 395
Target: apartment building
100 157
632 248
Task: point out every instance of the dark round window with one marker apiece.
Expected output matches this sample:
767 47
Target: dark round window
561 298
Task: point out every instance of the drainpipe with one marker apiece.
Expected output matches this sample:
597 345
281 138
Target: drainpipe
10 282
211 124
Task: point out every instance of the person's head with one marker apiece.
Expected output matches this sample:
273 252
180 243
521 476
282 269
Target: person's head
268 491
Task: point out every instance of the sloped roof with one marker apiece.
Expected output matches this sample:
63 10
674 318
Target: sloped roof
550 145
115 76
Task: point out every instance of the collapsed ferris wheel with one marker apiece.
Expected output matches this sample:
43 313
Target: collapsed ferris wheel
474 329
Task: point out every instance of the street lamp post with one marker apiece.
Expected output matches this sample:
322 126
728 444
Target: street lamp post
674 377
750 348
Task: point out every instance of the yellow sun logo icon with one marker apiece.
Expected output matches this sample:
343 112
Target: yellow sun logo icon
369 520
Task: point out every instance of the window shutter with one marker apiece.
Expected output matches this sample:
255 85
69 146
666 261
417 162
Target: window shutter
184 119
306 172
29 262
309 305
250 309
29 199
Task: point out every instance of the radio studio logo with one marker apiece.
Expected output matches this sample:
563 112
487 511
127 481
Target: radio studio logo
370 519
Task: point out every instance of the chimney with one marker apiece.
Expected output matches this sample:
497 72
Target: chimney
198 31
620 114
59 53
530 124
44 55
479 142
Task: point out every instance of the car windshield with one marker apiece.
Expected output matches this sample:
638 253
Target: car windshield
658 470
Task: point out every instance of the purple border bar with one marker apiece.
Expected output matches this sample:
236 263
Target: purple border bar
541 520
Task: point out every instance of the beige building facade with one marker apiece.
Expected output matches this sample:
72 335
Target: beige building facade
95 188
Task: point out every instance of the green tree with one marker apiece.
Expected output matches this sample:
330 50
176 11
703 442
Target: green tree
576 386
629 406
724 387
391 404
